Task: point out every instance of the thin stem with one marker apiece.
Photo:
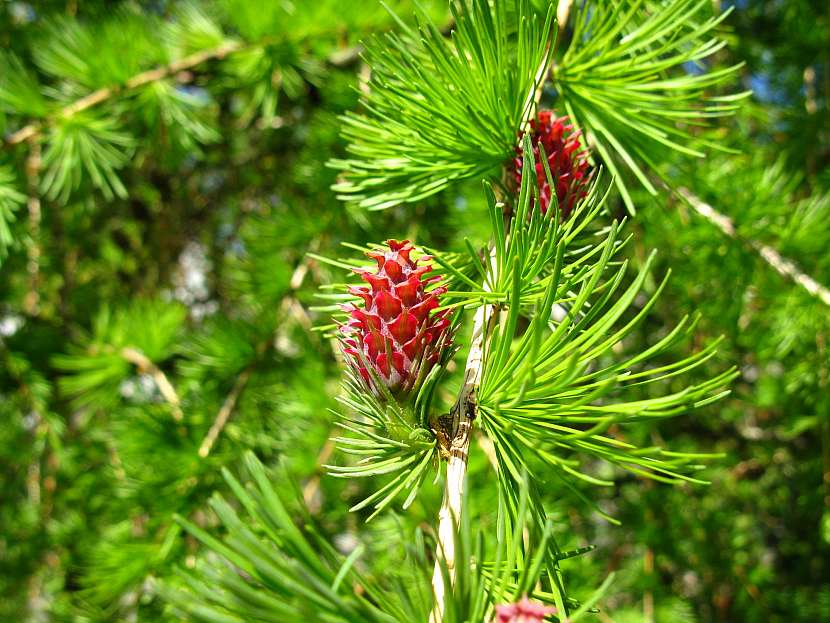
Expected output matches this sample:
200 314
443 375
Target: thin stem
143 363
464 411
31 302
810 90
648 596
542 75
225 412
29 132
563 10
289 307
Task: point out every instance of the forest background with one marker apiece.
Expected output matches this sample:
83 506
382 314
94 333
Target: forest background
157 296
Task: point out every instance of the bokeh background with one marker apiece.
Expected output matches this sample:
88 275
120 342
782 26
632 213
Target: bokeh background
162 179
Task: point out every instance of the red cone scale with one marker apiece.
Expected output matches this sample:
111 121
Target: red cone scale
569 167
525 611
394 332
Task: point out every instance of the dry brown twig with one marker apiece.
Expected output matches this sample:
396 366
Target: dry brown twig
32 131
145 366
31 302
288 307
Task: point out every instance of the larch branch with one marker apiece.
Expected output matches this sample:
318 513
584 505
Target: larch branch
90 100
782 265
225 412
144 365
463 414
464 411
339 58
31 302
289 306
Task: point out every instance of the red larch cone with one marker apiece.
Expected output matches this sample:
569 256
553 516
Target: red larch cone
393 333
569 167
525 611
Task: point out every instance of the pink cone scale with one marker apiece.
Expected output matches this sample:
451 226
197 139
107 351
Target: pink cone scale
394 332
525 611
569 167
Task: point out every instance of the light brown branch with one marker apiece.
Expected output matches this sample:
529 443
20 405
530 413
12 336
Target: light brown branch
289 306
339 58
90 100
225 412
145 366
463 412
31 302
782 265
648 596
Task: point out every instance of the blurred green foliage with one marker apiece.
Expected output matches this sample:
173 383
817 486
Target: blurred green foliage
169 246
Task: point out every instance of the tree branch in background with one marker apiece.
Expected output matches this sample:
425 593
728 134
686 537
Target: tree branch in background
810 90
31 302
782 265
339 58
34 130
289 307
225 412
145 366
